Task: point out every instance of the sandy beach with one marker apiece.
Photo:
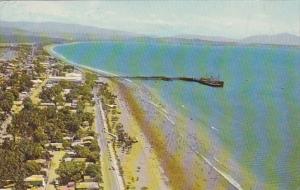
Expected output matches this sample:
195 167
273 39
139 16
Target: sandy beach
140 165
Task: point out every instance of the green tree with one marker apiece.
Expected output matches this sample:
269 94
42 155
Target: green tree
70 171
27 103
6 105
39 135
53 132
85 152
93 170
72 124
39 69
32 168
24 82
15 92
59 100
94 147
30 150
12 166
82 152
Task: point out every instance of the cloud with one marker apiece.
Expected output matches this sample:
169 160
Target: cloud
163 17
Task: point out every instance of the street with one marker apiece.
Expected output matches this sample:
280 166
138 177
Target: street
110 171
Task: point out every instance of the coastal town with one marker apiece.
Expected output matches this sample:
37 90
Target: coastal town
64 126
60 125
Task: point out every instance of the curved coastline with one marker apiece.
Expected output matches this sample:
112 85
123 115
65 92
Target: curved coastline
50 50
163 111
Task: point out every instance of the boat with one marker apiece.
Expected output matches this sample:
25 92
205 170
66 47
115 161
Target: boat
211 81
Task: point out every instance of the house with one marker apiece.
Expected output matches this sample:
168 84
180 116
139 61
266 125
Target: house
68 159
111 105
73 110
74 103
88 163
23 95
7 188
38 81
67 138
68 104
79 159
55 146
88 178
77 143
85 124
60 107
44 171
45 64
71 153
47 104
73 77
35 180
41 162
86 143
49 85
87 138
6 137
66 91
69 186
10 186
87 186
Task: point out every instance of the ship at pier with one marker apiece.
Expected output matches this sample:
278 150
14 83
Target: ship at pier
211 81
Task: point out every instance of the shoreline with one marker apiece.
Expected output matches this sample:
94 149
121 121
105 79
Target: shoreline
143 149
50 50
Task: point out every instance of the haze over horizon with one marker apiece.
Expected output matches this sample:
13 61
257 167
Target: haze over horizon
229 19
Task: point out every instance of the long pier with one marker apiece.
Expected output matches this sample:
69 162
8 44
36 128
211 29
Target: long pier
204 81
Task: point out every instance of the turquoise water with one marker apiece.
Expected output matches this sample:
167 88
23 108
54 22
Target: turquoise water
256 116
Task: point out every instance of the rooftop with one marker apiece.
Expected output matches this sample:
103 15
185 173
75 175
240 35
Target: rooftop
34 178
87 185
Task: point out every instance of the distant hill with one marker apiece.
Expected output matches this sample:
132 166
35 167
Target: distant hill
278 39
59 31
50 32
206 38
12 35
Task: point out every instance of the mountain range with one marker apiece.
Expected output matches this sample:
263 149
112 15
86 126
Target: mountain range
52 32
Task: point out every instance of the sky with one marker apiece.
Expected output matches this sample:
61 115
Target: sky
232 19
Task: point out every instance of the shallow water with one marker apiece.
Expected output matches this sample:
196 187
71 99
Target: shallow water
255 117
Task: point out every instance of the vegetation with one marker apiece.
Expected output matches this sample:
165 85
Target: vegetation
123 140
92 155
93 170
18 78
6 101
13 165
70 171
49 124
51 94
17 83
74 171
33 127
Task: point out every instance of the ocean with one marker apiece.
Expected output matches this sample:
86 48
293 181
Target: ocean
252 124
